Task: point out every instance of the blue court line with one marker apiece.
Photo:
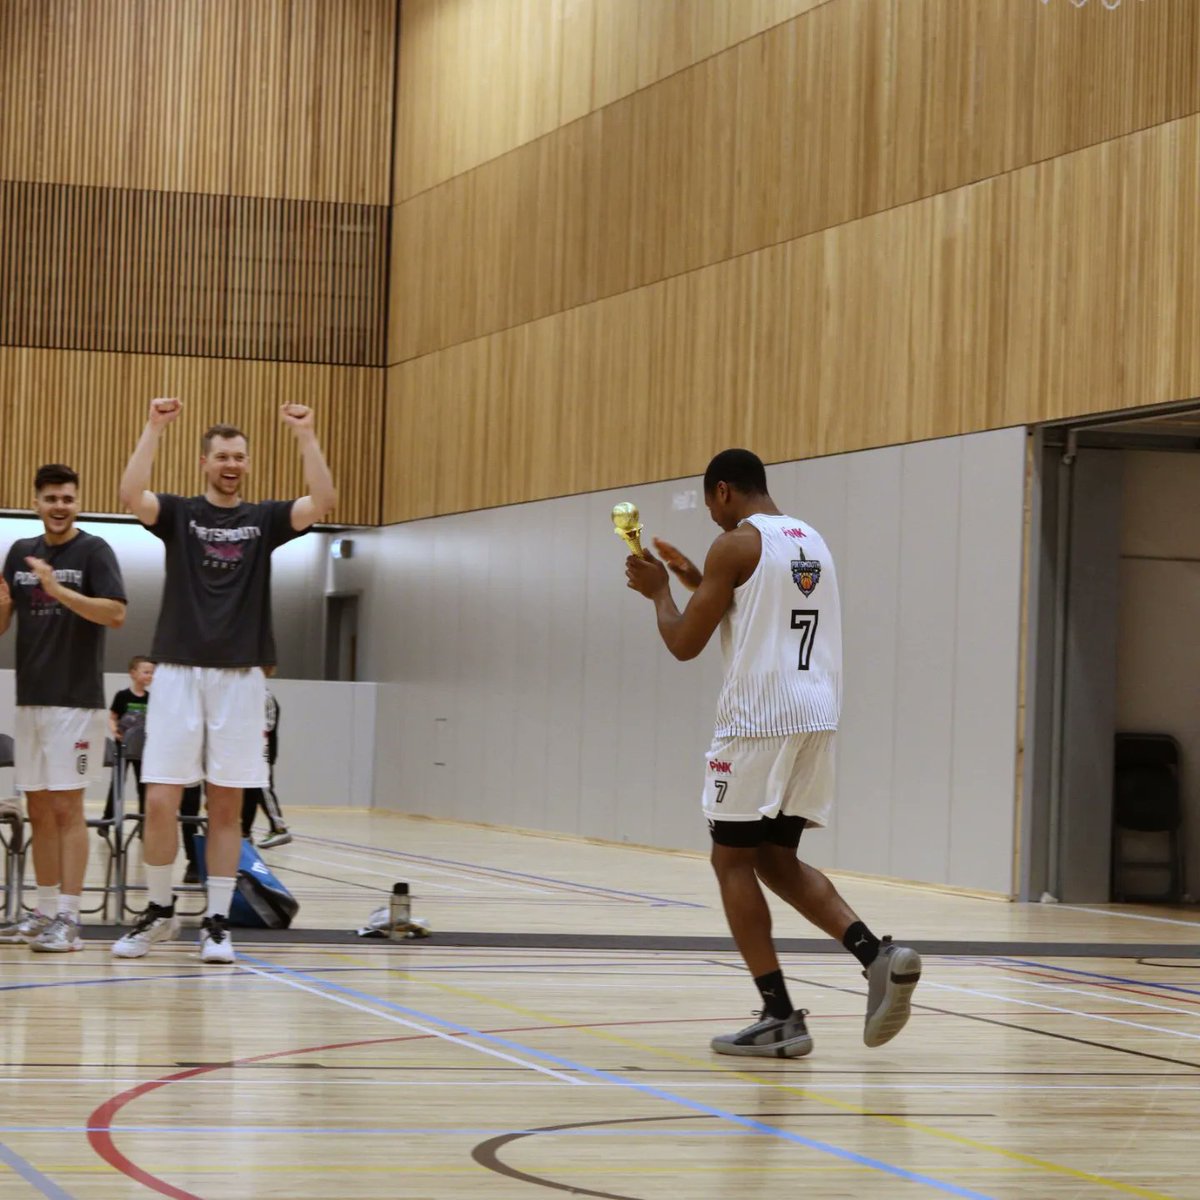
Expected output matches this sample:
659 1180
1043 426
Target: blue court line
31 1175
644 1089
656 901
24 987
1166 987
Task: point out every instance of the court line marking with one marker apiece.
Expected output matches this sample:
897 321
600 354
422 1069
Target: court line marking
857 1110
1054 1008
492 872
1103 912
1164 987
283 975
595 1073
32 1176
1106 995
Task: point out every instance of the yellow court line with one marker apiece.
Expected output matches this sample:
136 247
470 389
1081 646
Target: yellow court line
829 1101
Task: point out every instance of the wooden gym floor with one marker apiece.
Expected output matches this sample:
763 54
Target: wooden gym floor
567 1054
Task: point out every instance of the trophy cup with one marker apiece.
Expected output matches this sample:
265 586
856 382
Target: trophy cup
627 527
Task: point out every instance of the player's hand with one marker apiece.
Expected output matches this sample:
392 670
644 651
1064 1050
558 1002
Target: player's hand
45 573
681 566
646 575
5 594
298 416
164 410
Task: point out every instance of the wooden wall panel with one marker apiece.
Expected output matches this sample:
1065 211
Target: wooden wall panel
170 273
88 409
853 108
279 98
481 77
1065 288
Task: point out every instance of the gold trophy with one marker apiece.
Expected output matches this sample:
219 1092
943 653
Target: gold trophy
627 527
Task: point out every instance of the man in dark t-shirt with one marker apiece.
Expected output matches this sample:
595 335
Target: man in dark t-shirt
211 644
65 587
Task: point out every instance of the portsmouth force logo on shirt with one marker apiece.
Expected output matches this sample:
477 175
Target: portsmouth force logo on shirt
41 603
806 572
224 548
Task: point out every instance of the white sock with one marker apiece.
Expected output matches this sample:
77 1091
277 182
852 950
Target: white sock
158 885
220 893
69 906
47 901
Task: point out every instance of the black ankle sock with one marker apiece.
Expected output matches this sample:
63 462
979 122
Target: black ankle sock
773 990
862 943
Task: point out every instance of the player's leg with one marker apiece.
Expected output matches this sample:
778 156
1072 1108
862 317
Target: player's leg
250 800
891 971
30 778
732 794
66 811
72 754
279 835
171 760
234 703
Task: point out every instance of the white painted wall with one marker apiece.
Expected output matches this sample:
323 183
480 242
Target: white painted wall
326 741
522 683
1158 657
298 572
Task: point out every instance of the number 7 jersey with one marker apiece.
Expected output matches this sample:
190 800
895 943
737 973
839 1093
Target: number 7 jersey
782 638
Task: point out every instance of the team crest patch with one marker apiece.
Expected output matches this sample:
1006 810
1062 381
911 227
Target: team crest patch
807 574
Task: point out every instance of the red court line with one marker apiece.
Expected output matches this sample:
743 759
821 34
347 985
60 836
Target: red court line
100 1122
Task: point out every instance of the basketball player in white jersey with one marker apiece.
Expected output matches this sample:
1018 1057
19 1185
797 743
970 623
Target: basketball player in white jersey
769 583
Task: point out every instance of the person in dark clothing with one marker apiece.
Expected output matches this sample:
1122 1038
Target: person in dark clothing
126 716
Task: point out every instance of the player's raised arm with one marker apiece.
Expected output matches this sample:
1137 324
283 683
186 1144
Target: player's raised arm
322 495
686 634
135 490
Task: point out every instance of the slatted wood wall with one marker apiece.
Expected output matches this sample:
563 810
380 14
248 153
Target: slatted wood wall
877 221
194 200
88 409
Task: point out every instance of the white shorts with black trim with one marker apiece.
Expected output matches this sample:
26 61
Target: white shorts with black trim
747 778
206 723
58 749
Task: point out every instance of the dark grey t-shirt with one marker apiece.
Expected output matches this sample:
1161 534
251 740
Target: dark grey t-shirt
216 600
60 655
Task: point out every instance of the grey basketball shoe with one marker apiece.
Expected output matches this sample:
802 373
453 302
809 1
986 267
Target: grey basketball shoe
25 929
890 982
61 936
769 1037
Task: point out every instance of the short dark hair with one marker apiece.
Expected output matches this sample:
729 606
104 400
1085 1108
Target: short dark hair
741 469
53 473
137 660
220 431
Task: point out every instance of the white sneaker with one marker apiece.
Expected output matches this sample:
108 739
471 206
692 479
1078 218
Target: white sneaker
61 936
215 943
158 924
891 979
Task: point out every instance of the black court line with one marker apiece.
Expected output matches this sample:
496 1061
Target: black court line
1178 951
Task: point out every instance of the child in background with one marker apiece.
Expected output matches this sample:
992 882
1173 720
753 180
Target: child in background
126 716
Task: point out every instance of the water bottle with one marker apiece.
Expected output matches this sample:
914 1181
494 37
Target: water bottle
400 912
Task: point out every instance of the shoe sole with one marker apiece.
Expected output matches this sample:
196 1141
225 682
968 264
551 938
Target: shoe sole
795 1048
38 948
904 973
224 961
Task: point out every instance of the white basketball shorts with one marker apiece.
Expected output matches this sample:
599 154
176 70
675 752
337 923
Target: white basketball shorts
58 749
746 779
206 723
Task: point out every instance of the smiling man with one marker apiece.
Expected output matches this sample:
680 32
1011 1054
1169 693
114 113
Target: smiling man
769 584
213 639
65 587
